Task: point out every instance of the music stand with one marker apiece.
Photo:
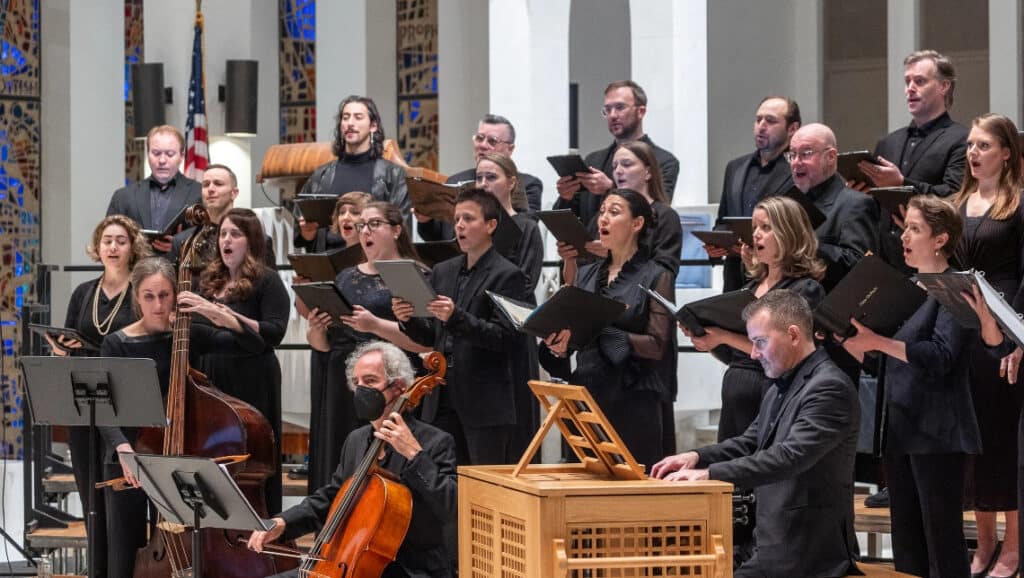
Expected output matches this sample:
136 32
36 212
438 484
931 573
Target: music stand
197 492
93 391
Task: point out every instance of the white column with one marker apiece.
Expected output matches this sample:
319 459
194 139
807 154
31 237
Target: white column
462 80
903 37
340 59
1005 58
82 128
670 60
808 56
529 80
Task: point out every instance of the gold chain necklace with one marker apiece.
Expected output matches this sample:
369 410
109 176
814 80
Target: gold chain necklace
104 327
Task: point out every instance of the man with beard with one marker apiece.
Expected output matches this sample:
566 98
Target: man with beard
154 201
798 454
625 105
359 145
752 177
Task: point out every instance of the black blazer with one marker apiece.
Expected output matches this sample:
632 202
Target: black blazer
480 384
586 204
936 165
801 470
849 230
730 204
132 201
930 407
430 477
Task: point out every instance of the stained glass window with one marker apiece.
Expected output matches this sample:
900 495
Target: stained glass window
297 59
417 82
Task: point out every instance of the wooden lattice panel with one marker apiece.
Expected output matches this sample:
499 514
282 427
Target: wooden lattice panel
513 547
482 540
638 539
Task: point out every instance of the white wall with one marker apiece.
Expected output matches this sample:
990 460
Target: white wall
83 111
599 53
462 80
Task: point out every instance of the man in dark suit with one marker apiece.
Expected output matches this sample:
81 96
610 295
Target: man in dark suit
494 134
154 201
762 173
930 154
220 189
419 455
477 406
851 217
798 454
625 105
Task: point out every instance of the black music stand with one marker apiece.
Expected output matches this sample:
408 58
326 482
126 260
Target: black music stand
93 391
196 492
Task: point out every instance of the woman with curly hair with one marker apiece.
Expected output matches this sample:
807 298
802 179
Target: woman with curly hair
238 289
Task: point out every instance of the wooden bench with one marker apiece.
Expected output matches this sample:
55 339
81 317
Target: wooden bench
877 521
879 571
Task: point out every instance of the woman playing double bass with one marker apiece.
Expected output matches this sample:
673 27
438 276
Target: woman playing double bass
420 455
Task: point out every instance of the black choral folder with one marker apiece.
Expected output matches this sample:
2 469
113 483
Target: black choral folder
568 165
725 311
433 252
326 266
584 313
846 165
324 296
874 294
506 234
720 238
567 228
317 209
171 228
743 227
947 289
890 198
65 332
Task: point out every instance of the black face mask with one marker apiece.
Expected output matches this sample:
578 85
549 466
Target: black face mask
369 403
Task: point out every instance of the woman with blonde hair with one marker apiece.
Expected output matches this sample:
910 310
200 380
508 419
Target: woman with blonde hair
989 201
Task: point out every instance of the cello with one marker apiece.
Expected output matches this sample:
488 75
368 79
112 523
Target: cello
371 513
203 421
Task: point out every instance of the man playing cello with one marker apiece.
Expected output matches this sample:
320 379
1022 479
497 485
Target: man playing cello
421 456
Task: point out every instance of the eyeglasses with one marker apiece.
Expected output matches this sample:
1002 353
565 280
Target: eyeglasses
492 141
618 107
372 224
804 155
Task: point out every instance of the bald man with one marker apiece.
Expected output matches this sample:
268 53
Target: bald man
851 217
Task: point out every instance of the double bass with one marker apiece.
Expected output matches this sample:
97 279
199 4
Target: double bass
370 515
204 421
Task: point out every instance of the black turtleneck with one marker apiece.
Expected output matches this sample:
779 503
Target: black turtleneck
355 173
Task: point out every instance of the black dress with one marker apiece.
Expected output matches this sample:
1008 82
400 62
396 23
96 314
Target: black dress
332 416
744 382
126 510
994 247
256 378
79 318
620 367
528 256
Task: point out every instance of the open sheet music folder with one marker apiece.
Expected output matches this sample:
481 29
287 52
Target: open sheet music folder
584 313
947 289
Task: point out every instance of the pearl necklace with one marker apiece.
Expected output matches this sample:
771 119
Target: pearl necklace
103 327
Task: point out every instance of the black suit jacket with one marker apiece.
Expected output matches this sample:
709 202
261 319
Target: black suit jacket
849 230
586 204
731 205
480 384
801 469
934 166
132 201
430 477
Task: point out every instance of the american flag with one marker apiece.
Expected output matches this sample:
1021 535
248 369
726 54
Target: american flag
197 155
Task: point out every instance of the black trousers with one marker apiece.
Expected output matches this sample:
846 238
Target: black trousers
926 499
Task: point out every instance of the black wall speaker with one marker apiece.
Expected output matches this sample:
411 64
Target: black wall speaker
148 97
240 97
